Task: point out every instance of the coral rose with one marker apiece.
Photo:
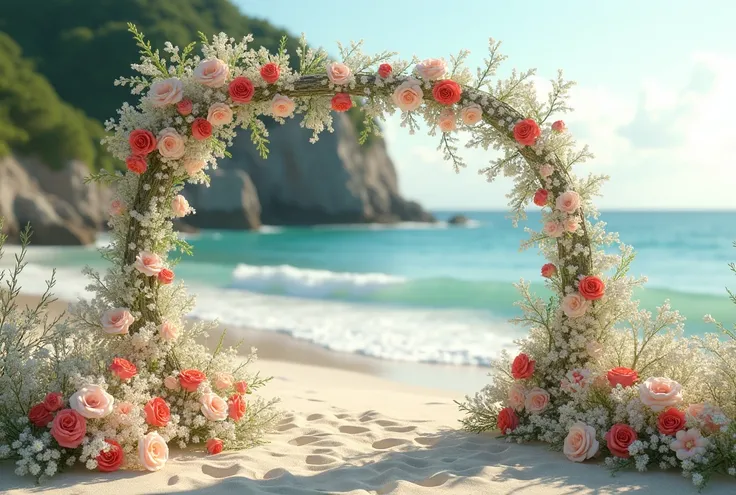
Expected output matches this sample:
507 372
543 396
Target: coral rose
170 143
180 206
190 379
431 69
212 73
214 446
168 331
625 377
69 428
157 412
142 142
153 451
341 102
165 276
526 132
446 121
184 107
580 443
540 197
670 421
111 458
689 443
549 270
270 72
537 400
554 229
659 393
223 381
472 114
546 170
568 202
699 413
40 416
516 397
123 369
53 401
408 96
193 167
241 90
282 106
384 70
148 263
201 129
574 305
507 420
591 288
236 407
166 92
558 126
618 439
116 321
447 92
92 402
213 407
241 387
172 383
522 367
571 224
338 73
136 164
219 114
116 207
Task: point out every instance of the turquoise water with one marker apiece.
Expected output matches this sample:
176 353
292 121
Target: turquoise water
428 293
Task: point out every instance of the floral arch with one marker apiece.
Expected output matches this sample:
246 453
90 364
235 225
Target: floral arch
124 377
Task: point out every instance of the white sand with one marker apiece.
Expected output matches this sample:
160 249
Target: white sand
348 432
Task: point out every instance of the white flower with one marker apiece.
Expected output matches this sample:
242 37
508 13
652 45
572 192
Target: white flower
689 443
116 321
574 305
213 407
212 73
166 92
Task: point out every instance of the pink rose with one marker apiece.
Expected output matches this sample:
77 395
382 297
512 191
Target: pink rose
157 412
222 381
241 387
116 207
554 229
124 408
384 70
214 446
270 72
142 142
148 263
212 73
241 90
446 121
219 114
670 421
540 197
580 443
201 129
92 402
618 439
546 170
574 305
431 69
180 206
282 106
170 143
507 420
594 349
153 451
549 270
689 443
53 401
558 126
704 415
236 407
522 367
569 202
171 383
571 224
660 393
625 377
408 96
123 369
516 397
191 379
136 164
526 132
193 167
166 92
591 288
168 331
472 114
184 107
537 400
69 428
40 416
338 73
116 321
213 407
165 276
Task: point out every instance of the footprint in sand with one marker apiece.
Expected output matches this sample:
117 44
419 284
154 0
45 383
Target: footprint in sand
173 480
319 460
433 481
383 422
303 440
315 417
216 472
401 429
286 427
353 430
275 473
388 443
427 441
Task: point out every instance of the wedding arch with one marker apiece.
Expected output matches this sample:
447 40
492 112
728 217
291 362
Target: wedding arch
124 377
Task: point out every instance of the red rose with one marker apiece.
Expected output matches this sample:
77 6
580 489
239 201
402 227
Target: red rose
384 70
69 428
111 460
447 92
591 288
270 72
623 376
142 142
201 129
184 107
190 379
241 387
241 90
40 416
341 102
165 276
507 420
214 446
549 270
136 164
236 407
558 126
618 439
670 421
522 367
157 412
123 369
526 132
540 197
53 401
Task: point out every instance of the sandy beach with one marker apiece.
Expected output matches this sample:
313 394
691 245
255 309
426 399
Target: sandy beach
347 429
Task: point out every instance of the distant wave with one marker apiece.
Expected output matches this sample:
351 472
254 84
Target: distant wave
471 224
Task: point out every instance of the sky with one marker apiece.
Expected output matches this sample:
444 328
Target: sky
655 96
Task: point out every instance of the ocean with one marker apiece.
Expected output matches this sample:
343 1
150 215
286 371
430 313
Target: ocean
416 292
